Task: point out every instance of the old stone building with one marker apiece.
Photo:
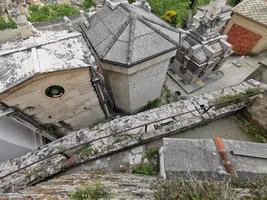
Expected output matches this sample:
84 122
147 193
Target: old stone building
202 50
247 28
134 48
49 80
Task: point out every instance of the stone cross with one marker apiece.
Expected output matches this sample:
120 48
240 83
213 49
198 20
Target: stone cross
143 4
214 8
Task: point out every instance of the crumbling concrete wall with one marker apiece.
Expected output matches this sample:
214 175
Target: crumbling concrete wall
117 135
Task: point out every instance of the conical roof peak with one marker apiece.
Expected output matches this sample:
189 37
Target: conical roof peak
127 35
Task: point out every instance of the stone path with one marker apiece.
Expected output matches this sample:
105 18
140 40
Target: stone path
122 186
118 135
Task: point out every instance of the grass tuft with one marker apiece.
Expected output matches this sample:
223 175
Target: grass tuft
91 192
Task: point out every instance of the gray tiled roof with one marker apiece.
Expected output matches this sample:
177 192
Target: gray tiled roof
254 9
128 35
52 51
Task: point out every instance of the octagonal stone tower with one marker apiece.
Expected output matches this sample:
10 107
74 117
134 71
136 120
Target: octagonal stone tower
203 50
133 48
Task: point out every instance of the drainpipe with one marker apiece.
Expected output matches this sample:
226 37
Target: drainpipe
97 80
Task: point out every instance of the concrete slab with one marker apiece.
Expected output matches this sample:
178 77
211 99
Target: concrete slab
231 75
194 86
187 158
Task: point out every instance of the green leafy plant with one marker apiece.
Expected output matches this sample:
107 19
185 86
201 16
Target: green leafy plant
86 150
152 104
170 17
51 12
159 7
152 153
91 192
144 168
6 24
88 4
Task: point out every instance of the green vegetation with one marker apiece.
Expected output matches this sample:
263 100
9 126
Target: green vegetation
152 153
181 7
152 104
86 150
254 131
88 4
210 190
228 100
51 12
6 24
144 168
91 192
150 168
170 16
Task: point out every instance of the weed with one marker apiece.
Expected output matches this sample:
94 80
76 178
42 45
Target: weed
252 130
91 192
6 24
209 190
86 150
51 12
152 153
152 104
144 168
228 100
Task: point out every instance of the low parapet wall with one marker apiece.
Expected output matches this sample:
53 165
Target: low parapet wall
117 135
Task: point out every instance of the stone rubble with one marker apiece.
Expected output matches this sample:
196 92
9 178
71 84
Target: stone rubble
165 120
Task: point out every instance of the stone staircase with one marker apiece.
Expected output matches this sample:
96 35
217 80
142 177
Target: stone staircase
122 186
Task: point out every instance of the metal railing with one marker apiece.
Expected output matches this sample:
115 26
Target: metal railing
202 108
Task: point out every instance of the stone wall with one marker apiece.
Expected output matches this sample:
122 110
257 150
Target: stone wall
78 107
118 135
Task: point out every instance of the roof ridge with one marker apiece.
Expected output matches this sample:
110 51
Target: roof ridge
116 36
158 31
131 39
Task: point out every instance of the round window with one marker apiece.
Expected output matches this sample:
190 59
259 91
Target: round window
54 91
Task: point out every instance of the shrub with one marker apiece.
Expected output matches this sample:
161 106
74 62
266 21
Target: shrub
144 168
152 104
6 24
170 17
152 153
91 192
51 12
159 7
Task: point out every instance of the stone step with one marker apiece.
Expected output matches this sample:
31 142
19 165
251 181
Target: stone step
121 185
